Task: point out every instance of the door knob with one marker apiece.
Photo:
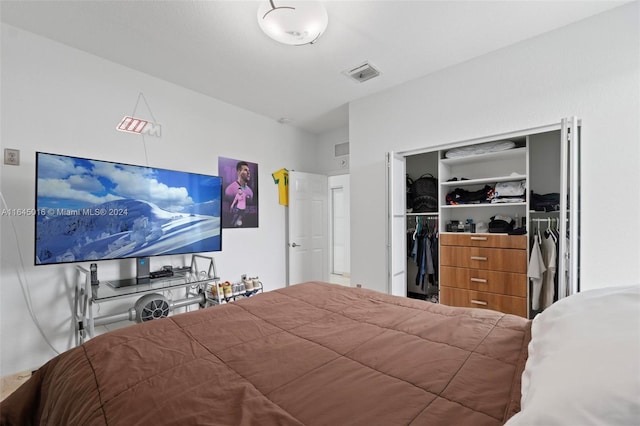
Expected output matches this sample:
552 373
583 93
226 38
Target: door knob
295 245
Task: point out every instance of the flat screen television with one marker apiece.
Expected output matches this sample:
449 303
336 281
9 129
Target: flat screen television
91 210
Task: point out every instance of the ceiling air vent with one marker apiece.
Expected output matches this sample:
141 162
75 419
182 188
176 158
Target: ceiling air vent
362 72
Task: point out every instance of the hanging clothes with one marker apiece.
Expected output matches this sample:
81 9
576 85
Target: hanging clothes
423 251
426 268
567 266
549 253
556 234
535 271
414 240
434 254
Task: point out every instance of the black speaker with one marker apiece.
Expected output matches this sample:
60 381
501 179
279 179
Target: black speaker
142 270
94 274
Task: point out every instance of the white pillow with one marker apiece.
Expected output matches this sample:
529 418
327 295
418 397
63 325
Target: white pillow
584 362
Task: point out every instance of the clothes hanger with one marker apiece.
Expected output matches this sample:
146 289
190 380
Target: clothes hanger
556 229
550 231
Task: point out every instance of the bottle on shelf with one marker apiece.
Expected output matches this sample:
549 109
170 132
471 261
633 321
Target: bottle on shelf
227 289
248 284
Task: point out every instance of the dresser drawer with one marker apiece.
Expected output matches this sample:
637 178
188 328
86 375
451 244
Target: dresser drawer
484 258
507 283
485 240
477 299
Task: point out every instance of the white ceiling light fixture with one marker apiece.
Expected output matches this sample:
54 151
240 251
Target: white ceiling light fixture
293 22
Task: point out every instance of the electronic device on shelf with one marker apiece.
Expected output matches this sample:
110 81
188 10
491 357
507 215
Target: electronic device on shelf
163 273
94 274
111 210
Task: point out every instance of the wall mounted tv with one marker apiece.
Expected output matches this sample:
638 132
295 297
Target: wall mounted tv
91 210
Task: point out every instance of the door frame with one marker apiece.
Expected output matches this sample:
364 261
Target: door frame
396 224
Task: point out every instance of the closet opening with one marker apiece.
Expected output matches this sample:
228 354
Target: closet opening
503 232
422 227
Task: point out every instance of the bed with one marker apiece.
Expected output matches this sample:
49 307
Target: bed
309 354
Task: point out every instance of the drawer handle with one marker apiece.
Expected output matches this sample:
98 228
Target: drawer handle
479 238
479 302
479 280
478 258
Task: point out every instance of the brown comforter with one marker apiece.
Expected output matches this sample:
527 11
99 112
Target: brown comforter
309 354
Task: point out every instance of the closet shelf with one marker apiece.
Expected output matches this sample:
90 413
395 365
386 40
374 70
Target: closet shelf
542 212
483 205
491 156
513 177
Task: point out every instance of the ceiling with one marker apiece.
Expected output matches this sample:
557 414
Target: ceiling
216 47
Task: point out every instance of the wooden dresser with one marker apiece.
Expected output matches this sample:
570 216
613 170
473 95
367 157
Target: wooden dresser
484 271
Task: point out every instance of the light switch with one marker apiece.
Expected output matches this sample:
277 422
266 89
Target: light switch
12 156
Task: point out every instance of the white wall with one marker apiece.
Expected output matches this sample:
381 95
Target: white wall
327 162
589 69
57 99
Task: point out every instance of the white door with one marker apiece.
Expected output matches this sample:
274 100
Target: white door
396 233
569 250
308 240
340 233
338 220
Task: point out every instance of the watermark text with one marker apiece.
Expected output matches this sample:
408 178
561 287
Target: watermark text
65 212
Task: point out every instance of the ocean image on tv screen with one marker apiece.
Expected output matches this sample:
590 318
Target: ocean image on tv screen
90 210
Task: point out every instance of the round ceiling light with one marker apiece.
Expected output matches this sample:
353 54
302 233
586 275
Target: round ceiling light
293 22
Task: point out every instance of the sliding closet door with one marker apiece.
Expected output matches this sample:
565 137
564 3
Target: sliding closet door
569 250
396 234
